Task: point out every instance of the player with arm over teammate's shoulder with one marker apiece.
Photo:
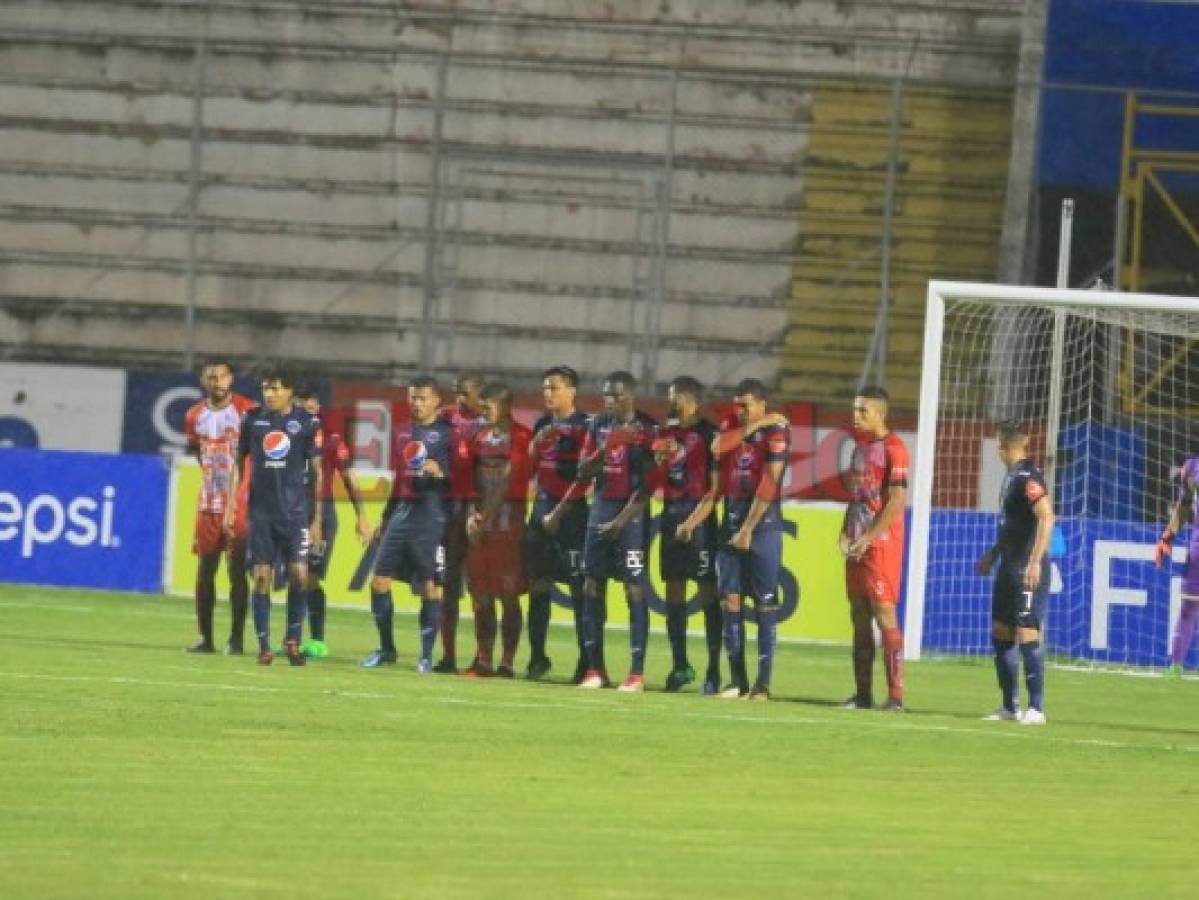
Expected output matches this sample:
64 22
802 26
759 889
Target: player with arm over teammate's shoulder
212 427
1186 508
872 541
683 453
283 442
619 460
752 455
1022 578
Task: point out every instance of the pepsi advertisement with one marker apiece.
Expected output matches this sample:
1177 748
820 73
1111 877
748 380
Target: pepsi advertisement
82 519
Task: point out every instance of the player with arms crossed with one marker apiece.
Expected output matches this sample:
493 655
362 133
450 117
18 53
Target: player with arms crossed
1186 508
1022 579
465 419
335 458
618 457
495 528
872 541
687 530
414 521
212 427
553 543
752 456
283 443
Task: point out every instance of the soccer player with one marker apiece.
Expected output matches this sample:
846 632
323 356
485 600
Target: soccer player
283 443
1022 579
414 520
619 459
553 544
752 457
872 542
683 451
465 420
495 528
335 458
211 427
1186 508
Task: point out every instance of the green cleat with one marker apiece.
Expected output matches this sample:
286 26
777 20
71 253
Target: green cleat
1173 673
679 677
314 649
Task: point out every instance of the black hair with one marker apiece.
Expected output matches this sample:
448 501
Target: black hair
621 377
278 373
1011 431
497 390
752 386
306 390
875 392
685 384
425 381
566 373
218 361
468 378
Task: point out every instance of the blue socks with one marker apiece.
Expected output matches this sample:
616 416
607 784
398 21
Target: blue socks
1007 670
430 622
676 630
1034 673
316 613
262 619
638 634
381 609
767 632
297 604
713 627
734 643
539 622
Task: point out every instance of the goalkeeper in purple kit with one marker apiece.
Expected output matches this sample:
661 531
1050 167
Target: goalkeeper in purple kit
1186 507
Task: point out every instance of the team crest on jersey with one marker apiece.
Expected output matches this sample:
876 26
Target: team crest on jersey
746 460
415 455
276 444
432 437
293 427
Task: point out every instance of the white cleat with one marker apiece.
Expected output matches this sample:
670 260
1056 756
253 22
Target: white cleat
592 681
1003 714
732 692
1032 717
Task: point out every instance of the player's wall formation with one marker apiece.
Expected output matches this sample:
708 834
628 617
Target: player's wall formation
503 169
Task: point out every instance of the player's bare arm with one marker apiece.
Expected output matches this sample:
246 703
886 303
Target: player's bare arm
364 528
1043 510
314 527
897 498
702 511
771 479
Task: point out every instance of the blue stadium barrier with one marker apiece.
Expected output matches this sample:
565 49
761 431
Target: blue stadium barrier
82 519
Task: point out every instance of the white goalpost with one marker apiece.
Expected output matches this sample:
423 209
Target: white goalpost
1108 383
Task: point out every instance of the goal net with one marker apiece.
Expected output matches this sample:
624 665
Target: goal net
1108 383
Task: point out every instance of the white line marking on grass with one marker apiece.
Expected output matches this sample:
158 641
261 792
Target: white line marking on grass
32 604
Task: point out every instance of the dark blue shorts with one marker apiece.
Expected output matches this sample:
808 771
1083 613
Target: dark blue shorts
556 557
412 551
1012 604
318 554
272 540
753 572
622 558
694 560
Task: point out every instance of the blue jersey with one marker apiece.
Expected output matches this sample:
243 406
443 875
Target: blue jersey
416 495
1023 487
281 446
626 455
745 471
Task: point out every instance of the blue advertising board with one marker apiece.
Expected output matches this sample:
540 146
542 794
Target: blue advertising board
1108 602
82 519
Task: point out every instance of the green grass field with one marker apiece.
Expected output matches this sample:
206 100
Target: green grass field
129 769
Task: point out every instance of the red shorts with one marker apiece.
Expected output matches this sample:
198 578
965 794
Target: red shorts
494 565
876 575
210 533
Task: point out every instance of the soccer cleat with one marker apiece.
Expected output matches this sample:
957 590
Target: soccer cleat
447 665
378 658
1032 716
634 684
759 693
478 669
711 687
314 649
265 657
294 656
538 668
504 672
1003 714
424 667
893 705
234 647
679 677
733 691
858 702
593 680
581 668
1173 673
200 647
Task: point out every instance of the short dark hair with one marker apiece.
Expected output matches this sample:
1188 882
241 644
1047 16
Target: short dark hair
1011 431
685 384
498 391
466 378
306 390
217 361
566 373
875 392
752 386
621 377
278 373
425 381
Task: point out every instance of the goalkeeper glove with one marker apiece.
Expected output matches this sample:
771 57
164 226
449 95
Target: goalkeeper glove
1164 543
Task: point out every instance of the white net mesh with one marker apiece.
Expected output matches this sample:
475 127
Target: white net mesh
1126 423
